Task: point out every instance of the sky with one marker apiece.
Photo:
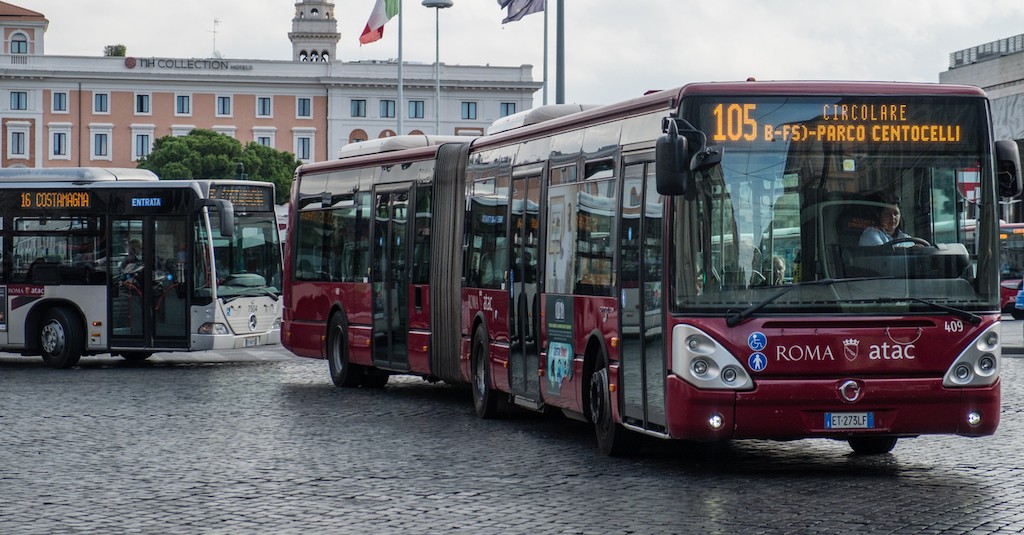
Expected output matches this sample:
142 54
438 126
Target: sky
614 49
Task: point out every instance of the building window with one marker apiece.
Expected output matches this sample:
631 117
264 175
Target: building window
264 135
469 110
223 106
303 107
302 148
142 146
358 108
60 140
183 105
19 44
17 146
60 102
142 104
100 147
264 107
415 109
508 108
387 108
101 103
19 100
60 144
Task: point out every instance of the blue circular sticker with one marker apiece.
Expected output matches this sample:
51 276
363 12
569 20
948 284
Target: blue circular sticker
757 362
757 341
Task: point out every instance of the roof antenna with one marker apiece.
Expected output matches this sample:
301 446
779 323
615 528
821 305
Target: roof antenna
216 54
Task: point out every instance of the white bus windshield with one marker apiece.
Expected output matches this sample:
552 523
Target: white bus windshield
248 263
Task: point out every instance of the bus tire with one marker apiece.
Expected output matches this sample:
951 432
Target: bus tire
374 378
343 373
872 445
136 356
61 338
485 399
613 439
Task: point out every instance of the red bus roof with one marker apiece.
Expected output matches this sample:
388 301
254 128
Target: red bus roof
669 100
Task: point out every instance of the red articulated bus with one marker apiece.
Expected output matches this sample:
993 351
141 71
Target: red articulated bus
687 265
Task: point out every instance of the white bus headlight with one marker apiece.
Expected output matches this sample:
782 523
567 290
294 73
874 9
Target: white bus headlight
978 365
704 363
213 328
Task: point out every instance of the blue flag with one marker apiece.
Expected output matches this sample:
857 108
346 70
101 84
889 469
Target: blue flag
518 9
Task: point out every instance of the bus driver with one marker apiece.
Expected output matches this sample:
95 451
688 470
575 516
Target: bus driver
886 227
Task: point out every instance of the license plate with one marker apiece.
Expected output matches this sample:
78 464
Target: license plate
250 342
849 420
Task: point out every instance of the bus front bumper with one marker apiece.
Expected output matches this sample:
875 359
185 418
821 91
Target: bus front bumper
791 409
203 342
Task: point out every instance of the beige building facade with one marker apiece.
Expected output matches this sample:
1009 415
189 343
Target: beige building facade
108 111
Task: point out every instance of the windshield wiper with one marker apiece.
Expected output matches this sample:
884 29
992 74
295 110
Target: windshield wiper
962 314
738 317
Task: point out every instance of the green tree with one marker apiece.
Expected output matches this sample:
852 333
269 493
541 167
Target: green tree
208 154
115 50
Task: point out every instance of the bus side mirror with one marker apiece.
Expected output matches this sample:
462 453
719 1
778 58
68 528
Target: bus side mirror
226 212
1008 168
672 167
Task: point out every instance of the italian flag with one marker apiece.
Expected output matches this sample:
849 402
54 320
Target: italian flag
382 13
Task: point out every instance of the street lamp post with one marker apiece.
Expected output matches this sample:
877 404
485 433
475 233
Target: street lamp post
438 5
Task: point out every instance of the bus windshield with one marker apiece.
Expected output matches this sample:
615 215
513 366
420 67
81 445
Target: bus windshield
248 263
875 194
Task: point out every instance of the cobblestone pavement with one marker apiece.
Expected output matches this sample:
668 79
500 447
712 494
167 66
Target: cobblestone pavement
262 442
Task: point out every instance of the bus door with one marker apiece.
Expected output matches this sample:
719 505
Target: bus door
390 275
524 292
149 271
642 355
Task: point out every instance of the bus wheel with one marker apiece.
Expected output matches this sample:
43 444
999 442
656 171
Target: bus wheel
872 445
61 338
612 439
343 373
136 356
485 401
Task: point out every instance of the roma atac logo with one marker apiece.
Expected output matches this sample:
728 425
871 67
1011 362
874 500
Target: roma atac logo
851 346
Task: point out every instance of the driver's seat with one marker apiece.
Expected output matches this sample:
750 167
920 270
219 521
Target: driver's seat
855 216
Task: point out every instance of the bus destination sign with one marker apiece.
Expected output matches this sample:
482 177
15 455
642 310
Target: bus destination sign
244 197
61 200
862 122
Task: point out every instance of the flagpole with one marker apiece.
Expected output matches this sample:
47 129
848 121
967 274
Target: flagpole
560 53
545 52
398 105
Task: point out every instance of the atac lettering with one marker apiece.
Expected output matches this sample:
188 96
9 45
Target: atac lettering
887 351
803 353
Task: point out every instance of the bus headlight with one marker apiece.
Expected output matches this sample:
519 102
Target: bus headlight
704 363
978 365
213 328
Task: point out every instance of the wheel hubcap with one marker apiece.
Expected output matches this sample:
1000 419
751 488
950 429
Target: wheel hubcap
478 377
597 393
52 338
336 349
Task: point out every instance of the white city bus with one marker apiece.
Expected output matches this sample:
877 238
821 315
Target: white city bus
116 261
